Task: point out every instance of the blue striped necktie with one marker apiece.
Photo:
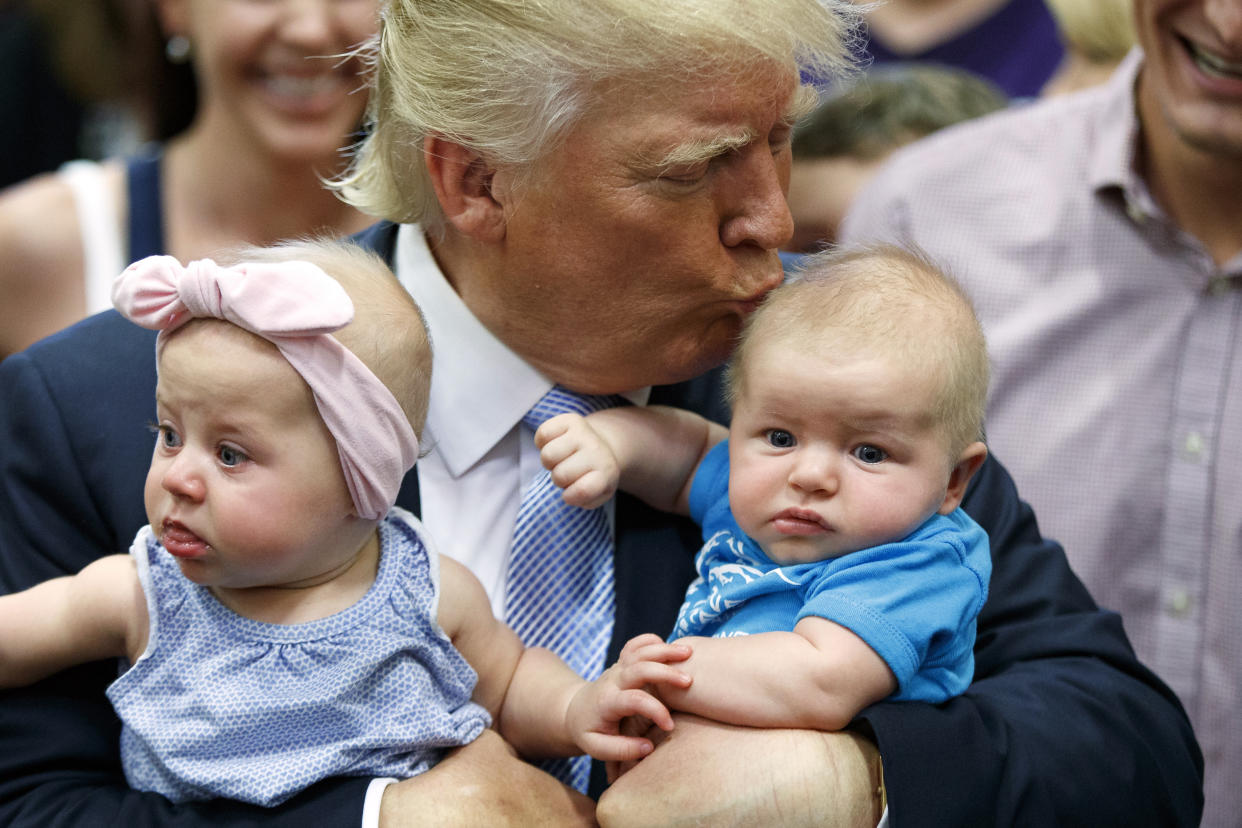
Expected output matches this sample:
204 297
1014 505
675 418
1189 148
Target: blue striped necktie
559 586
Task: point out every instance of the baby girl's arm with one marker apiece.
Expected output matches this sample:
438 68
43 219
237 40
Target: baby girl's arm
817 677
595 712
539 705
650 452
98 613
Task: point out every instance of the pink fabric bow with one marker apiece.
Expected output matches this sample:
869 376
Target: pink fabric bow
294 305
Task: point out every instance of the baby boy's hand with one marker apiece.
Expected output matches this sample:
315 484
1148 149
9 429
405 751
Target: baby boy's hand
580 461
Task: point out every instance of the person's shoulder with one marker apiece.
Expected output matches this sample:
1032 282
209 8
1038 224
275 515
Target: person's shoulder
1032 132
101 356
119 339
42 270
1010 162
38 216
32 201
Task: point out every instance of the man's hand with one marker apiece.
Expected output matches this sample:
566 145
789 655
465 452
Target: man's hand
707 773
580 461
484 783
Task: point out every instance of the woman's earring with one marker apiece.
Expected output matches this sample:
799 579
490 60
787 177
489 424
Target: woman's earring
177 49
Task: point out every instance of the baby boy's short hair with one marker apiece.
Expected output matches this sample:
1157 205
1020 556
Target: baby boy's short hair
881 299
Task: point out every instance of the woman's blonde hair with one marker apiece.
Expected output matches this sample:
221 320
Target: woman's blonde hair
509 78
1102 31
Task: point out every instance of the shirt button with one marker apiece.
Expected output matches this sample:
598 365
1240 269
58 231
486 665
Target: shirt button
1193 445
1220 285
1178 604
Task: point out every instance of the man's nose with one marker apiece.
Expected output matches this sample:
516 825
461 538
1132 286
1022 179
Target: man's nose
1225 18
757 213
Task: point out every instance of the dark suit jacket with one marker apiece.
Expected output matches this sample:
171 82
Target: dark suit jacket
1062 725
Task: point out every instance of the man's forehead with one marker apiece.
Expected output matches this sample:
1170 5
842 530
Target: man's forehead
692 121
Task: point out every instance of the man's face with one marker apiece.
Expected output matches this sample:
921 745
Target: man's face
1191 84
642 243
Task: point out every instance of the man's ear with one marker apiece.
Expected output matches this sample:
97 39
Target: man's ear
462 180
968 462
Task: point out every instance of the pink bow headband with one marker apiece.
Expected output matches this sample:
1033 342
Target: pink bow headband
295 306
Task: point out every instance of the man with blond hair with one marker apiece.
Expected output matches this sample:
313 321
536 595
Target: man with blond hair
590 198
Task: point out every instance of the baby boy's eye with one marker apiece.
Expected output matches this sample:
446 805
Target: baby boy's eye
870 454
779 438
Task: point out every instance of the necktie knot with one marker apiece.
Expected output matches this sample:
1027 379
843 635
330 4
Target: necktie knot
563 401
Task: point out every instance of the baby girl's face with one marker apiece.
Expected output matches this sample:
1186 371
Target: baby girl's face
245 487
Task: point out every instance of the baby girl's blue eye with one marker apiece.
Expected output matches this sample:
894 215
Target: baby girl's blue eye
166 436
230 456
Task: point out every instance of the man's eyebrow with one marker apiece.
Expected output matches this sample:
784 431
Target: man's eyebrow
694 151
697 150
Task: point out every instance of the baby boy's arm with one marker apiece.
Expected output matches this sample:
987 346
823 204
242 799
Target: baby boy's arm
817 677
651 452
541 706
98 613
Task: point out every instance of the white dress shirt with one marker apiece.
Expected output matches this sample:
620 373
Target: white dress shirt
480 455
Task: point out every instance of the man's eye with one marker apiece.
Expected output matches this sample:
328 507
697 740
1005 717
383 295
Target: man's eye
780 140
692 174
230 456
779 438
870 454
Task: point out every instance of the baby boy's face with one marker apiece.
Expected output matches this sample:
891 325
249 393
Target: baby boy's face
831 455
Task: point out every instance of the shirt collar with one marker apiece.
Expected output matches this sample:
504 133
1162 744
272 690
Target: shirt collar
1115 151
480 389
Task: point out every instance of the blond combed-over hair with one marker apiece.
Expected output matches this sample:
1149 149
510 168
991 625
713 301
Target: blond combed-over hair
509 78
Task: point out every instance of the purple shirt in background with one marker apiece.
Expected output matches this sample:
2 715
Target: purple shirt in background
1017 48
1116 401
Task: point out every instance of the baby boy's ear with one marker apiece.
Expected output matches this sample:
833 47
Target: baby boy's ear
968 462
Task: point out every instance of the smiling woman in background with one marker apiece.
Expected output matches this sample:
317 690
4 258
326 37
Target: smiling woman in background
276 105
